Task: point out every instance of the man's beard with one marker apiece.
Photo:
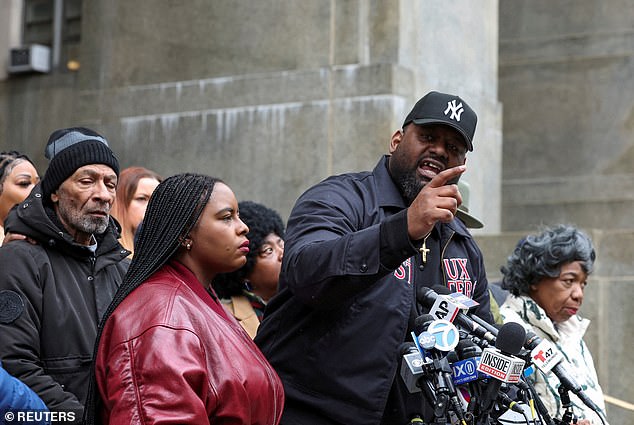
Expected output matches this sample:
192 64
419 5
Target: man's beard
85 224
406 178
94 225
409 184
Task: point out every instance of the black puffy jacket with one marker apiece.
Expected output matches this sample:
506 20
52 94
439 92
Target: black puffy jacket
53 295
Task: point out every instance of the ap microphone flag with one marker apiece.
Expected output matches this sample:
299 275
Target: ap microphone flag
447 308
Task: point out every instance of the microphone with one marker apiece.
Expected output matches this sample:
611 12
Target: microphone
507 402
481 329
466 375
465 370
547 357
427 297
412 367
422 338
500 363
435 338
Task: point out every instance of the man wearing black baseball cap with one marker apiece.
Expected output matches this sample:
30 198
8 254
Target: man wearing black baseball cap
55 288
357 248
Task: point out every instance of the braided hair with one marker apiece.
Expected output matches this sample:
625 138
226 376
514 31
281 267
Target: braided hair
8 160
172 213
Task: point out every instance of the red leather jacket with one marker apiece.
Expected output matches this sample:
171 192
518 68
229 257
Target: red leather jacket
169 354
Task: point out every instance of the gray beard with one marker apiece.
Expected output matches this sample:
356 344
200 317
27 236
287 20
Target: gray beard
92 225
85 224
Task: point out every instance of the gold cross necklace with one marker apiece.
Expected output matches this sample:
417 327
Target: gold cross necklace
424 251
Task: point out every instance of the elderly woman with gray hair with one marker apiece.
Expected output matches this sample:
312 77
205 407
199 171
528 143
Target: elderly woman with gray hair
547 275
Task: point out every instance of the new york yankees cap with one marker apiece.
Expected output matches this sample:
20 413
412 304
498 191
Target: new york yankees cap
448 109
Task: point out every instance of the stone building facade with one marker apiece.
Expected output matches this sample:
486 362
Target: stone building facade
275 95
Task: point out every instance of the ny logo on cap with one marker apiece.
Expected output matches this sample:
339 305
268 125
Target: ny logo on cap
456 110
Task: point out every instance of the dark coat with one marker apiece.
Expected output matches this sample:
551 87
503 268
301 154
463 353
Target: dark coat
55 293
346 301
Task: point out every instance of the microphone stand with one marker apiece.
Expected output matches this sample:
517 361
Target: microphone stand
445 400
539 404
569 416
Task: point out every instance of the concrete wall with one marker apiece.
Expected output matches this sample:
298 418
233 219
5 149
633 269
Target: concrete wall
565 77
566 72
10 31
271 96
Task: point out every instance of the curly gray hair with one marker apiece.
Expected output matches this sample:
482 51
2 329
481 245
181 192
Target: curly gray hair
541 256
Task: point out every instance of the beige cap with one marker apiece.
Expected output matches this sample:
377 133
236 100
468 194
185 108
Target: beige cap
463 210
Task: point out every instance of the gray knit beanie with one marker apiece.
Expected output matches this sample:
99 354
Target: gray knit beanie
69 149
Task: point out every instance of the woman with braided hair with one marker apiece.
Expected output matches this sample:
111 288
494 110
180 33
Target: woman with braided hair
17 177
167 349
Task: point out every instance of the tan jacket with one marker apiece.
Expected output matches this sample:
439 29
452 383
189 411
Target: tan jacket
243 311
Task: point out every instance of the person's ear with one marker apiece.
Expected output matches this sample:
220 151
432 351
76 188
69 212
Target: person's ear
397 138
54 197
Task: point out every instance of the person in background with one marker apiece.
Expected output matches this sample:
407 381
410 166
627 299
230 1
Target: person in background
497 294
463 209
358 247
246 291
547 274
168 352
135 188
54 291
18 176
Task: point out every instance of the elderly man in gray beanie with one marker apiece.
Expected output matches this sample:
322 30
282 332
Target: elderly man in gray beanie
54 291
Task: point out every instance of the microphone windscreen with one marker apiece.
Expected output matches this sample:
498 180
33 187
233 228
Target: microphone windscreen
532 340
425 296
407 347
422 322
467 349
510 338
464 343
452 357
441 289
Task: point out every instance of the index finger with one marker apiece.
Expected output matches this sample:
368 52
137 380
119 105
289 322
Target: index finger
447 175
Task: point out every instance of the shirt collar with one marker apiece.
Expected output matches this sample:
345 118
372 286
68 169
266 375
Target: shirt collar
388 194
